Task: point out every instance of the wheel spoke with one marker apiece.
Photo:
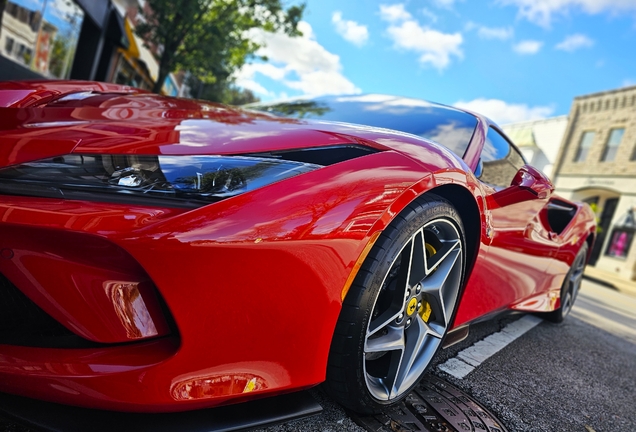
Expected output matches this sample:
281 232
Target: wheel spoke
414 358
384 320
392 340
448 246
433 286
396 306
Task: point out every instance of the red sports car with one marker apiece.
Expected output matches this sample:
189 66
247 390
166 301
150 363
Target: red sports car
161 254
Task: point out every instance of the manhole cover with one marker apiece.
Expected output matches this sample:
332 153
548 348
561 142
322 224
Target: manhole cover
434 406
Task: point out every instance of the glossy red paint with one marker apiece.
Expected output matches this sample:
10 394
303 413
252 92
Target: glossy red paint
22 94
253 283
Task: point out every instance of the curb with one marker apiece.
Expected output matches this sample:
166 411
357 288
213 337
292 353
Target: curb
606 278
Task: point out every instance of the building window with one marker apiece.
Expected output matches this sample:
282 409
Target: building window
8 45
44 33
584 146
620 242
609 154
622 236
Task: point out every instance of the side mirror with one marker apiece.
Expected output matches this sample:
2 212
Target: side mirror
529 183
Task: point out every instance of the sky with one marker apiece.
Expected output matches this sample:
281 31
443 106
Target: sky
512 60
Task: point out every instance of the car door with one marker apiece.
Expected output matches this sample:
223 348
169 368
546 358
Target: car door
511 268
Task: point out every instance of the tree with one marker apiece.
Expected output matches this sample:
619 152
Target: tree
210 38
227 93
58 56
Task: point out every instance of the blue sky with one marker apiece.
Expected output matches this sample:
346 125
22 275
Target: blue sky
513 60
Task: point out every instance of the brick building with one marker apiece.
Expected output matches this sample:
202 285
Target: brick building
597 164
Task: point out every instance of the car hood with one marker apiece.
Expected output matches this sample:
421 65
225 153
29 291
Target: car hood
45 119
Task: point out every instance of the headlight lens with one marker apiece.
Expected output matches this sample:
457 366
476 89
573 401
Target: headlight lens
178 181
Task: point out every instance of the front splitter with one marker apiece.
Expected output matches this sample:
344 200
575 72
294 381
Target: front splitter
48 416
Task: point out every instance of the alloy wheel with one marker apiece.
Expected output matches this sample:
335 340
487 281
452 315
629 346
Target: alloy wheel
413 309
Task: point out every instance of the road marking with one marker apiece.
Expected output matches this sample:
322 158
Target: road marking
467 360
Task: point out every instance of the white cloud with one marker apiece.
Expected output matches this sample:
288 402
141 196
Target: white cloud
353 32
300 63
503 112
501 33
245 77
394 12
435 48
429 15
628 83
574 42
527 47
541 12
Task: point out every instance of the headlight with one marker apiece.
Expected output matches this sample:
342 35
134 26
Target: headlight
176 181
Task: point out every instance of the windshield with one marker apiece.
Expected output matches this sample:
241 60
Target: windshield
443 124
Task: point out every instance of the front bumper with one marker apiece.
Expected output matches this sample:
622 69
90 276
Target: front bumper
252 288
226 299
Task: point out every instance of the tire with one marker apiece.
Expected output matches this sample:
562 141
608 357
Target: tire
570 287
389 330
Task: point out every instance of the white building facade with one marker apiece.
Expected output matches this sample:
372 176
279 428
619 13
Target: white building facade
538 140
597 164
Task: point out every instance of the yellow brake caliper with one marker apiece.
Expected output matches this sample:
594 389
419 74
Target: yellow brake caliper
425 309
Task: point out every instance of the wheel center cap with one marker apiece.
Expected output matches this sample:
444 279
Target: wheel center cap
410 308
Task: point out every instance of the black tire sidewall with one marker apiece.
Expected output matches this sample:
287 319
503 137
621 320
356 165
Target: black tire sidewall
360 300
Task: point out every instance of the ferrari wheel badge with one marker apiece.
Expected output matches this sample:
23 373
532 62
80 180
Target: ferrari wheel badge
410 308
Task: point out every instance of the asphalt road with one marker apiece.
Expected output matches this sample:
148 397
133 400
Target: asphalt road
579 375
576 376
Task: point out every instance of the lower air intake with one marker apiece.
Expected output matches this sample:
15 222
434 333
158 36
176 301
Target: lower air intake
22 322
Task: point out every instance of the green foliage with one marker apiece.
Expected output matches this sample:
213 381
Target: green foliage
595 209
299 109
209 37
224 92
59 54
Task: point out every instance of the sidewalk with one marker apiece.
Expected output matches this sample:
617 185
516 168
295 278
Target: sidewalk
607 278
